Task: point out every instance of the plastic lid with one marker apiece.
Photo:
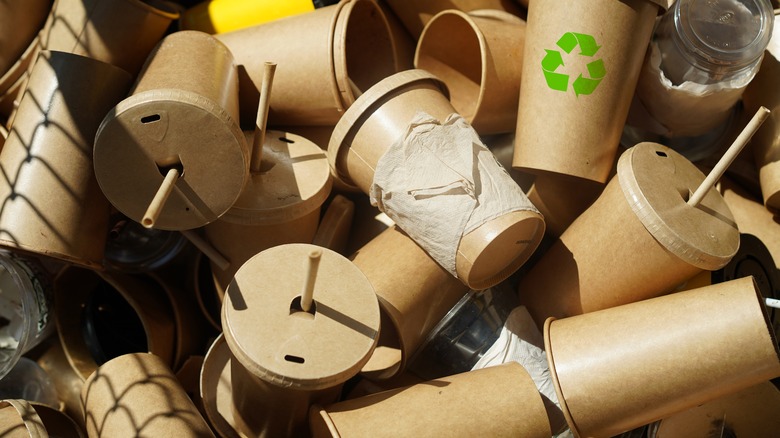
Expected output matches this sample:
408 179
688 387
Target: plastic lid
289 347
729 33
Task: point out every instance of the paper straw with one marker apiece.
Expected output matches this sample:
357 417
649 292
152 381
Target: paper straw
729 156
207 249
158 202
262 115
311 277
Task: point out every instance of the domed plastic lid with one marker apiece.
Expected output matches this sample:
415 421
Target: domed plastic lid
657 182
730 33
149 133
275 340
294 180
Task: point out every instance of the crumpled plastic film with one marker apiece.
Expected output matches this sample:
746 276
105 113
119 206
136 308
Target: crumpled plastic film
688 109
522 342
438 181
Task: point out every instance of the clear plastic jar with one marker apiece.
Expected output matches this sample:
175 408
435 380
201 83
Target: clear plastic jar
25 298
703 55
710 41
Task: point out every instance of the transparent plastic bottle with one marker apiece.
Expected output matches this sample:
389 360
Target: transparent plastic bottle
25 299
702 56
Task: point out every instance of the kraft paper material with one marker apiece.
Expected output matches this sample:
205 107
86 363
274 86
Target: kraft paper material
443 172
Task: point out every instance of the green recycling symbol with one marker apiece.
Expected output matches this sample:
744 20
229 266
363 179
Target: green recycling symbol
553 59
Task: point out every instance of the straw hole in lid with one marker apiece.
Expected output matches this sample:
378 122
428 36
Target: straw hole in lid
164 165
294 359
686 194
150 119
297 309
661 154
286 140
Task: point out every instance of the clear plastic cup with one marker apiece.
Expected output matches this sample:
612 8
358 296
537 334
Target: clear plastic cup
710 41
28 381
25 298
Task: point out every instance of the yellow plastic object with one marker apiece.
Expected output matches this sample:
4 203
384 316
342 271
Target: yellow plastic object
220 16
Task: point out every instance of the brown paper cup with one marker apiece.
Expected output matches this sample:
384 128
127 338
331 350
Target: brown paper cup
765 143
365 387
67 383
320 55
378 119
752 218
191 326
488 254
368 223
84 299
138 395
53 205
204 285
182 114
638 240
750 412
287 358
14 81
414 294
500 401
278 205
562 198
403 43
18 419
57 424
240 242
415 15
568 123
20 22
118 32
480 57
9 102
334 229
24 419
621 368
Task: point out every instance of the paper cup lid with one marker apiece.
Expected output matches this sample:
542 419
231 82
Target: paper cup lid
657 182
368 102
216 388
294 180
150 131
296 349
